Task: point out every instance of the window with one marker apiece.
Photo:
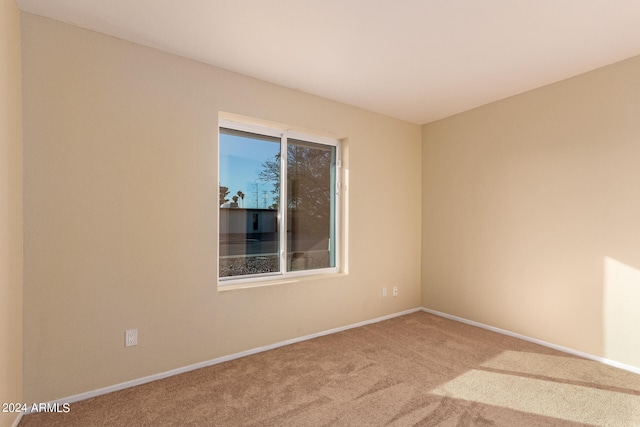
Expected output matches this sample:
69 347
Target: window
279 202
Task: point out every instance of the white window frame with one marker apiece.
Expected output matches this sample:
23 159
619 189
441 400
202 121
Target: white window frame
284 135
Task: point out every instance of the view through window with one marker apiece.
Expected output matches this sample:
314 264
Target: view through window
278 202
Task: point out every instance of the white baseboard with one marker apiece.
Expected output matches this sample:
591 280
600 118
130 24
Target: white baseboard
144 380
630 368
17 420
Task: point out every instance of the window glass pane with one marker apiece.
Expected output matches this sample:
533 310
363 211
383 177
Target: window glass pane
249 176
310 205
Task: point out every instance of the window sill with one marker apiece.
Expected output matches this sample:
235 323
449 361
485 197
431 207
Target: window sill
278 281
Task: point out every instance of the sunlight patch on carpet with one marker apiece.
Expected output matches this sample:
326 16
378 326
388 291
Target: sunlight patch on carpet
563 368
549 398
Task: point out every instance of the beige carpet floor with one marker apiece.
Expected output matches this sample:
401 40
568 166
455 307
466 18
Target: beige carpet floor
417 369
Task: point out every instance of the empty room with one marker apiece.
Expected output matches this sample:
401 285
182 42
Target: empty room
427 213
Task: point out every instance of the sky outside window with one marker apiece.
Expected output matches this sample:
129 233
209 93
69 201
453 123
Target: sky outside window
242 156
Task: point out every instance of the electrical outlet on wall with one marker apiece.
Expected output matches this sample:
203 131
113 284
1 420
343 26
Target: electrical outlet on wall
395 291
130 337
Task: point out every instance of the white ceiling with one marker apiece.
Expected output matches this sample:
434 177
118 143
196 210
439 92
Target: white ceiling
417 60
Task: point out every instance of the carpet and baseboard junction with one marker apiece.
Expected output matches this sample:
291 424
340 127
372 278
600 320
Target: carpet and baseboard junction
414 368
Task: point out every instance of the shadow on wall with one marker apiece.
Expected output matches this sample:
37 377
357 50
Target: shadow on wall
621 315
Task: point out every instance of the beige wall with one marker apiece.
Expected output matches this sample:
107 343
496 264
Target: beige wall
10 209
120 213
530 213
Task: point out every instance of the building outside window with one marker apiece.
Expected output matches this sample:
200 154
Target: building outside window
279 203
